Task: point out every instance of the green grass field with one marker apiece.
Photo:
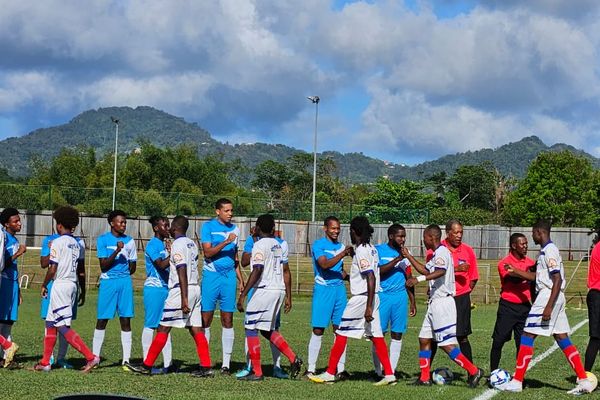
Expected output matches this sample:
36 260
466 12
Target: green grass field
548 379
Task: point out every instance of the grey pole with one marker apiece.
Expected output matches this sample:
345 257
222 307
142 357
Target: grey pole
116 122
315 100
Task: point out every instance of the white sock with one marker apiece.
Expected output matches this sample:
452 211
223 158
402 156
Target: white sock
276 354
395 348
97 342
126 344
207 334
341 367
63 347
248 363
227 337
314 347
167 353
376 362
147 336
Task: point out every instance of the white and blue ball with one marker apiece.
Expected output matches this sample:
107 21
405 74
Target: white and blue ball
499 376
442 376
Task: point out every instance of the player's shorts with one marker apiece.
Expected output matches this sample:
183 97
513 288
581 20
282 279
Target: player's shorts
510 319
154 302
173 316
440 321
115 295
463 314
328 305
593 305
262 309
46 302
353 322
277 320
62 301
393 311
219 287
558 322
9 300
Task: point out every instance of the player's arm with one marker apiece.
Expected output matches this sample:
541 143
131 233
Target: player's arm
473 271
327 263
20 251
81 279
556 284
413 261
210 251
519 274
245 259
370 276
287 280
161 263
257 270
106 263
388 267
50 272
183 287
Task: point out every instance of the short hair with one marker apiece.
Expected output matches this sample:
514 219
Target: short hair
360 225
66 216
180 222
155 219
7 213
394 228
516 236
266 223
221 202
115 213
543 225
329 219
451 223
434 230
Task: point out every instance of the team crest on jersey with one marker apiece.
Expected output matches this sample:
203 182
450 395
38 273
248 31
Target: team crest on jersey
364 264
259 257
552 262
177 258
52 253
439 261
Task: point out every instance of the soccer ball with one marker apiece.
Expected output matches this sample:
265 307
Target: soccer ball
442 376
499 376
592 378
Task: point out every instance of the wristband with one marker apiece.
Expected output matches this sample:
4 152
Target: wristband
421 278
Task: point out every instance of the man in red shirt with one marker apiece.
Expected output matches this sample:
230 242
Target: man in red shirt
593 305
515 298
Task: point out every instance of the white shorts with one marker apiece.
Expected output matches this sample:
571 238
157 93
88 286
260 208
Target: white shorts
262 309
558 319
62 299
353 322
172 314
440 321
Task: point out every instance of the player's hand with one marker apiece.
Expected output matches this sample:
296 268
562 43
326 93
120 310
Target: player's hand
464 267
231 238
22 249
411 282
349 251
547 314
288 305
81 299
369 314
20 298
240 304
168 246
44 292
509 268
120 245
404 252
185 308
413 310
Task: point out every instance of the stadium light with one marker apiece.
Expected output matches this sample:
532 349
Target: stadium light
116 122
315 100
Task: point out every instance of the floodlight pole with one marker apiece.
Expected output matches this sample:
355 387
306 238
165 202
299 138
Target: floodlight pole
116 122
315 100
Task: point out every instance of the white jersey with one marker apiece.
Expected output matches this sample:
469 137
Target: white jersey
65 253
365 261
549 262
443 286
2 245
184 253
269 254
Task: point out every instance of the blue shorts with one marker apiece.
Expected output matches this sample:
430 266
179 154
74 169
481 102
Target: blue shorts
115 295
46 302
277 320
219 287
328 305
9 300
154 302
393 310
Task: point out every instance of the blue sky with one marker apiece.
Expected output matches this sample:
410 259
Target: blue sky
405 81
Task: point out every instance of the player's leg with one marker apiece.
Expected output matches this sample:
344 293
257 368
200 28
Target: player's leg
463 324
338 309
385 314
49 342
194 324
593 346
106 310
210 285
156 347
9 348
501 334
125 308
322 310
227 307
278 372
424 358
373 330
399 324
9 309
154 302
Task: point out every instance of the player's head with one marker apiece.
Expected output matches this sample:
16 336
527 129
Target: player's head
160 226
67 219
454 232
360 230
265 225
179 226
224 210
117 219
10 220
331 227
541 231
396 235
518 245
432 235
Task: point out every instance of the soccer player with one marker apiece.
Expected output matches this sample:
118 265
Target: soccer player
394 268
182 307
64 271
63 344
361 315
117 254
10 294
440 321
515 298
547 316
271 281
593 305
329 292
156 288
220 274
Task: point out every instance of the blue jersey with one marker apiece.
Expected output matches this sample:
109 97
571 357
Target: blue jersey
156 277
214 233
11 246
395 280
107 244
45 250
333 275
250 244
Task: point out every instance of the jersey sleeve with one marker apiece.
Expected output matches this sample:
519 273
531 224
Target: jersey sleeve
318 250
101 249
2 244
501 271
441 260
205 232
178 254
284 252
131 251
81 244
552 258
55 250
249 244
45 250
154 252
258 256
473 268
366 261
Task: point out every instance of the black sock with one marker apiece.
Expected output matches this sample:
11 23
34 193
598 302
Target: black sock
590 353
465 348
495 355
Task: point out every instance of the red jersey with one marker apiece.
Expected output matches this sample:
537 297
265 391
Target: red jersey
594 270
515 291
461 255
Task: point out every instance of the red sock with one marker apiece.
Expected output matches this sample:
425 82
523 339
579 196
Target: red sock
49 342
202 349
156 348
523 358
575 360
382 354
254 352
5 343
283 346
339 345
458 357
78 344
425 365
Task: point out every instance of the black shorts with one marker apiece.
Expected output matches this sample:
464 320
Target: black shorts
463 315
593 305
510 318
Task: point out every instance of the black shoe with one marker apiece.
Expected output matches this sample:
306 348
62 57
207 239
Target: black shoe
138 368
474 379
295 368
203 372
225 371
419 382
251 377
342 376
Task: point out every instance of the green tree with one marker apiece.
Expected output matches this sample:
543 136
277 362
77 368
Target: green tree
475 186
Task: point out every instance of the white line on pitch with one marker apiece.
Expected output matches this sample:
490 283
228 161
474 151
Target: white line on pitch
488 394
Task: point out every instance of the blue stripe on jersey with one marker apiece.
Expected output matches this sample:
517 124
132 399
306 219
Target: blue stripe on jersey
214 232
156 277
333 275
11 246
45 250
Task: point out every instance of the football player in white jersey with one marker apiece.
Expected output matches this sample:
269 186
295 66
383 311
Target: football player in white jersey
361 315
182 307
440 321
63 270
271 280
547 316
